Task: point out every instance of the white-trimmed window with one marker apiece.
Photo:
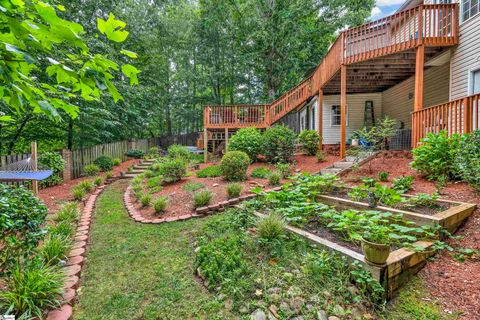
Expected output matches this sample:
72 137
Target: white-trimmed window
468 9
336 116
474 82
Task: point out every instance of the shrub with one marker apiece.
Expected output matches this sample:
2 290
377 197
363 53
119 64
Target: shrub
86 185
435 157
98 181
261 173
467 162
178 151
91 170
383 176
248 140
149 174
160 204
69 212
274 179
154 182
52 161
105 163
145 199
234 190
202 198
279 144
210 172
62 229
424 199
285 169
54 249
321 156
220 260
22 216
153 151
234 165
135 153
78 193
31 289
173 170
117 161
309 140
193 186
271 227
403 184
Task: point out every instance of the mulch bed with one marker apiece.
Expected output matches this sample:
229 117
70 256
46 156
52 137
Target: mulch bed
55 196
454 284
181 201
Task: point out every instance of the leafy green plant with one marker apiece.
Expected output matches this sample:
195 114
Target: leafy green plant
133 153
424 199
309 140
403 184
381 194
285 169
260 172
86 185
117 161
22 217
145 199
98 181
274 178
202 198
318 184
248 140
193 186
383 176
31 289
69 212
177 151
105 163
154 182
467 162
271 227
51 161
160 204
435 157
234 190
279 144
321 156
78 193
234 165
173 170
54 249
210 172
63 229
91 170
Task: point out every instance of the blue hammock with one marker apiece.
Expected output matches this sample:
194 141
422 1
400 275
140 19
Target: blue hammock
23 170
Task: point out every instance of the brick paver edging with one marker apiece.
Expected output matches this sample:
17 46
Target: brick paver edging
76 259
199 212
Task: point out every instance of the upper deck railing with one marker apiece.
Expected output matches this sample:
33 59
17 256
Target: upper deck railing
432 25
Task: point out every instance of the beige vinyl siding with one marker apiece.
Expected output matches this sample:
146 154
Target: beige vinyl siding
355 114
465 58
398 100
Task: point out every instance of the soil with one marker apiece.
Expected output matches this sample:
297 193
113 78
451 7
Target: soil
324 233
55 196
181 201
454 284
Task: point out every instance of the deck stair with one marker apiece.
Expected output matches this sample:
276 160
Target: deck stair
346 164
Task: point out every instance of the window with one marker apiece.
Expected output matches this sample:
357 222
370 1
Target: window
475 82
336 116
313 117
469 8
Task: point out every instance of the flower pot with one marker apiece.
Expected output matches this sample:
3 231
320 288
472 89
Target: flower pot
374 252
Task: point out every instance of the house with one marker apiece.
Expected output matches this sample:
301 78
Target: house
420 66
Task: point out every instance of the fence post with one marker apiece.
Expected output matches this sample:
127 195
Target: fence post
131 144
67 169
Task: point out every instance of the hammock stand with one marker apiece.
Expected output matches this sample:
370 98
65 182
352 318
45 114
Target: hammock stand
25 170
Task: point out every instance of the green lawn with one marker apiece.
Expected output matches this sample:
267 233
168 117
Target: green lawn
137 271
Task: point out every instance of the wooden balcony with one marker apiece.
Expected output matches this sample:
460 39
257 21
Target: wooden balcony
458 116
366 50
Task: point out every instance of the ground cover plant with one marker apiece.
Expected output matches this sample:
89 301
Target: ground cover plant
260 172
210 172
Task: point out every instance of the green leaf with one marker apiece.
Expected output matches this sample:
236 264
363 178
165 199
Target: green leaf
131 72
112 28
129 54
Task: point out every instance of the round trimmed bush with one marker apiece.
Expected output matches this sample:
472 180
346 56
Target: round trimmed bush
234 165
279 144
173 170
248 140
178 151
105 163
309 140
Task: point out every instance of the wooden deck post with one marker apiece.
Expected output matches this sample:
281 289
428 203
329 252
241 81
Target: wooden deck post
226 140
34 158
343 112
419 65
320 118
205 145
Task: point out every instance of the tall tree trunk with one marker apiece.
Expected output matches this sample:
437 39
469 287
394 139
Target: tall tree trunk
70 134
18 133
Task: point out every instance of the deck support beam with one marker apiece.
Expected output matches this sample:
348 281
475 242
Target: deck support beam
34 158
226 140
419 66
320 118
343 111
205 145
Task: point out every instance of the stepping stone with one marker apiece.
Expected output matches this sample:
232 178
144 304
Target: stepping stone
76 252
77 260
84 228
64 313
79 244
73 270
69 295
71 282
202 210
81 233
81 238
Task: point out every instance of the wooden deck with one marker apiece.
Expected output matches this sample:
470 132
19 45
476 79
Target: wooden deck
377 55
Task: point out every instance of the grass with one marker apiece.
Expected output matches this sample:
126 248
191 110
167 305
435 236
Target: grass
192 186
210 172
261 173
138 271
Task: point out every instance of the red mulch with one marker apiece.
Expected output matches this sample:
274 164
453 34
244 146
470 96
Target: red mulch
54 196
456 285
181 201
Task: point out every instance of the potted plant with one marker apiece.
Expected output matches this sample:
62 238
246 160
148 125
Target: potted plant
376 244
